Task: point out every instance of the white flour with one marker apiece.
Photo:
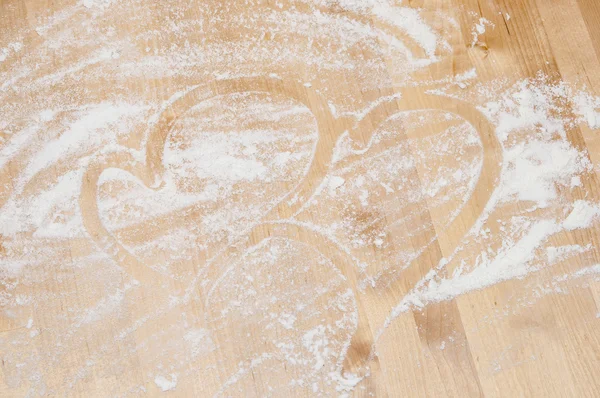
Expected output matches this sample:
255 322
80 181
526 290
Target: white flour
583 215
166 384
479 29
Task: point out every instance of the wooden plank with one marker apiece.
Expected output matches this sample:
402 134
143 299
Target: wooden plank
299 198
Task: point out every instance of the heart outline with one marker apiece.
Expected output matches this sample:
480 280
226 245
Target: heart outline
150 172
356 358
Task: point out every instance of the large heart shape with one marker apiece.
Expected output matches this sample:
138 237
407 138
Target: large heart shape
280 222
449 238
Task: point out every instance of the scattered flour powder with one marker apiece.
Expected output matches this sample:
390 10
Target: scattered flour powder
229 146
166 384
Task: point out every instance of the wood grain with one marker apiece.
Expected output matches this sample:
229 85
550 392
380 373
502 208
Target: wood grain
116 305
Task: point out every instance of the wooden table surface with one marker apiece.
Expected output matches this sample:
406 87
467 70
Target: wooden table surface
300 198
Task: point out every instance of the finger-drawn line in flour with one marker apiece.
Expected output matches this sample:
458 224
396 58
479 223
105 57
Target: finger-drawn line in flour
388 30
330 129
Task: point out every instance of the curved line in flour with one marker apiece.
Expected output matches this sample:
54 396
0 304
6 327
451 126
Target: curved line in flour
416 100
394 31
365 19
341 258
88 204
455 231
151 172
329 128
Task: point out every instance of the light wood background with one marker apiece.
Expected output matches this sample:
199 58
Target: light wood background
502 341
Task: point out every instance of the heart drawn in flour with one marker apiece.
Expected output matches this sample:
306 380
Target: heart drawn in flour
281 218
227 161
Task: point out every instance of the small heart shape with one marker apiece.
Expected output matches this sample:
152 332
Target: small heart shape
151 172
227 161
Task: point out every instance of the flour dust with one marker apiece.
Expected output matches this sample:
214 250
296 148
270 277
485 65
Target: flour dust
90 79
